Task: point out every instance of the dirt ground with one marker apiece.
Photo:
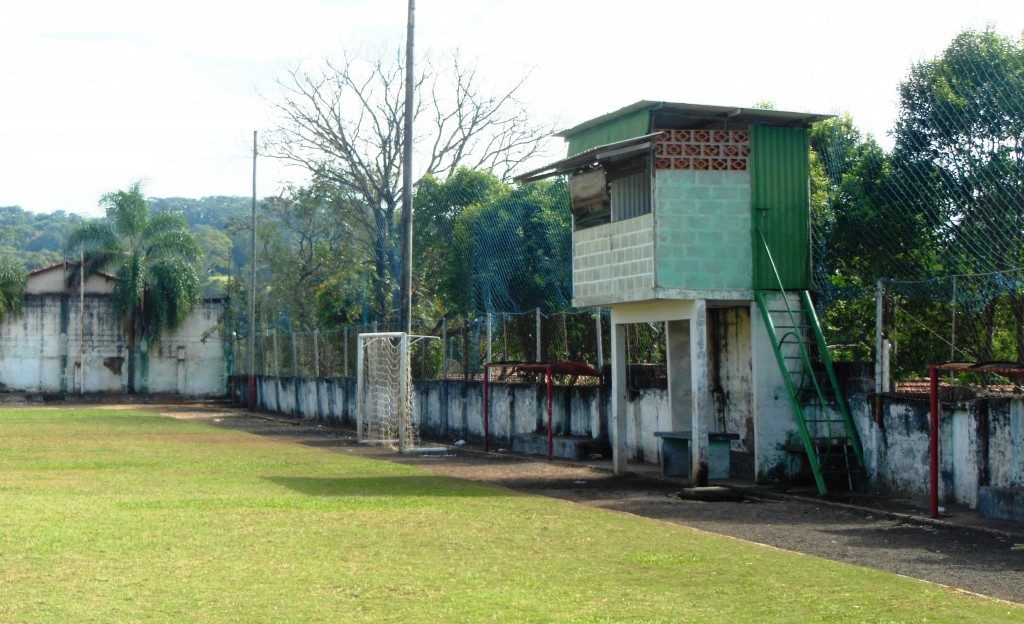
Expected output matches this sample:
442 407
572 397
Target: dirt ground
968 559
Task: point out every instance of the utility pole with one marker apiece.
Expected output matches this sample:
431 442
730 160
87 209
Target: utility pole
81 315
405 314
251 349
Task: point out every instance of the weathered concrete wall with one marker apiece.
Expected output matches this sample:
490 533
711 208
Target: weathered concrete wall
982 442
773 422
40 350
731 375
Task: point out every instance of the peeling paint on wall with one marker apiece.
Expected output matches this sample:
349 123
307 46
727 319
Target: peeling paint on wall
39 350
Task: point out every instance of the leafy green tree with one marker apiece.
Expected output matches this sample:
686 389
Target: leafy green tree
443 248
12 285
153 258
494 246
960 151
316 271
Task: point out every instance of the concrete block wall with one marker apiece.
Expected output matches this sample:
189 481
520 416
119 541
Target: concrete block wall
613 262
702 230
39 350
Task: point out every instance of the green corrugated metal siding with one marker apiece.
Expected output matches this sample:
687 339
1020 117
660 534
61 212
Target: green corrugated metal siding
778 190
619 129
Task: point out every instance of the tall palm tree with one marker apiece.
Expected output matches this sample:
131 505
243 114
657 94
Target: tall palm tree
153 258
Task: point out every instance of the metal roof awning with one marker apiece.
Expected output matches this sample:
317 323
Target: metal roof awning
592 156
702 113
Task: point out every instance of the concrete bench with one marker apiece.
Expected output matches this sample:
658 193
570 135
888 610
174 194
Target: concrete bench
676 459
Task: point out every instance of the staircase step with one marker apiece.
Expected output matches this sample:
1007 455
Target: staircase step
812 387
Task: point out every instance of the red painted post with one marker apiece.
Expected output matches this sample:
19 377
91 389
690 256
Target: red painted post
487 406
551 439
933 440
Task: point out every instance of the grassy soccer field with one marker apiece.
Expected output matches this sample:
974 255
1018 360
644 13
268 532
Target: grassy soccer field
122 516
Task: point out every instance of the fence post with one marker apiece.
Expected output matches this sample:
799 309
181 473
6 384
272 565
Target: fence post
345 355
536 314
273 337
952 328
295 356
490 327
565 336
465 350
316 354
444 348
879 336
600 340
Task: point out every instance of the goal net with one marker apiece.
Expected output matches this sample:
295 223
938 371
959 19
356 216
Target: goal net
384 411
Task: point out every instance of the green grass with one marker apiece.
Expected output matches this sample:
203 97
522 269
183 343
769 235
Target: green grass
118 516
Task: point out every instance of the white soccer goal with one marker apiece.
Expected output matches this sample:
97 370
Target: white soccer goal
384 397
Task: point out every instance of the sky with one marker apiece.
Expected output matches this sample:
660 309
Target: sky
98 94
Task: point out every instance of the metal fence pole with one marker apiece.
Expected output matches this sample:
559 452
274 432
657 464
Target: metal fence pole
345 350
490 329
277 369
952 328
600 339
295 356
537 357
316 354
444 348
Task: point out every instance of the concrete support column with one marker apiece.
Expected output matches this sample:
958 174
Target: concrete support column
700 401
617 426
680 402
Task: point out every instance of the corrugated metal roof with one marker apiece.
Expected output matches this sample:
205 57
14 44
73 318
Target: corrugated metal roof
589 157
703 112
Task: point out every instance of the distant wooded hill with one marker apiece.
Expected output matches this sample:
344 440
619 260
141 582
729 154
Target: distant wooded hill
38 238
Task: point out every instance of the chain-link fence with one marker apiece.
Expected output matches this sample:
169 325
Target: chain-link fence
459 348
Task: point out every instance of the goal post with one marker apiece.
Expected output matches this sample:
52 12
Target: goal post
384 405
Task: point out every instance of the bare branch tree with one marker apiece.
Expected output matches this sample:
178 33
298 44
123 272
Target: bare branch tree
344 124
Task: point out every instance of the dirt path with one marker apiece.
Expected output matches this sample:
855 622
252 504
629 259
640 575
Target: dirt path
969 559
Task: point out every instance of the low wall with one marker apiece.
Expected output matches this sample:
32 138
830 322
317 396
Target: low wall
450 410
982 441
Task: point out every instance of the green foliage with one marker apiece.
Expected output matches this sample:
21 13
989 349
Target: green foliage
35 239
12 285
960 138
313 271
153 257
486 245
948 200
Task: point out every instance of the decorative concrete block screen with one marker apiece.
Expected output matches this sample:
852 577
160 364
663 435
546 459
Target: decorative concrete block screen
702 150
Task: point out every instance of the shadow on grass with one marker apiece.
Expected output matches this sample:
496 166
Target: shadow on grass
406 485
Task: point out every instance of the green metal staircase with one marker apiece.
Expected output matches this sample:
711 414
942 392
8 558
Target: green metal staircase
827 433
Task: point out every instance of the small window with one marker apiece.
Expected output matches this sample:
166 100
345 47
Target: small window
591 204
613 191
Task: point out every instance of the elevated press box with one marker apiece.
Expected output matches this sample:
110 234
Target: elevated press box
672 201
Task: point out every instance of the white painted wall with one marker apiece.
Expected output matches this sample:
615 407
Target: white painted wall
40 350
896 448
